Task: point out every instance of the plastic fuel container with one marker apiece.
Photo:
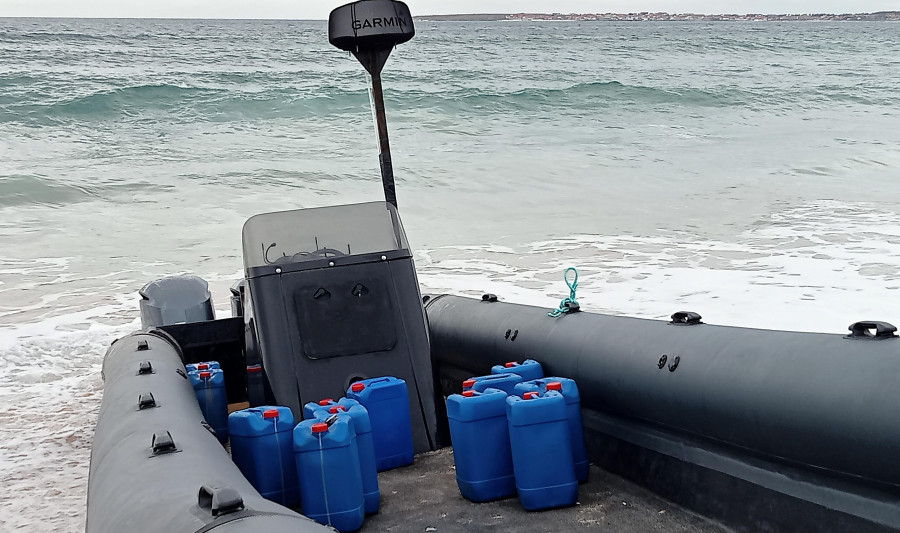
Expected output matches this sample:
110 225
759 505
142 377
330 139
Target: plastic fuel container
328 469
505 382
480 436
310 408
209 386
541 451
197 367
362 426
528 369
387 401
569 391
261 447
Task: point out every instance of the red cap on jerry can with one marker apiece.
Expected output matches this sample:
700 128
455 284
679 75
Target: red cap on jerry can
468 393
530 395
357 387
204 375
320 427
202 366
326 401
270 413
337 408
468 384
554 385
511 364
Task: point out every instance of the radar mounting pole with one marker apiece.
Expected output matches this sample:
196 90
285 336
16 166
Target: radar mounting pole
384 146
369 29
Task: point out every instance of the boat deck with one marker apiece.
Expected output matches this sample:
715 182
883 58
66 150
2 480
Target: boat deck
424 497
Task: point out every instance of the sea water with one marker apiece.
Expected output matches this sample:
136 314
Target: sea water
744 171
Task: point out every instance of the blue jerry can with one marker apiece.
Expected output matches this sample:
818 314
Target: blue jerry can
480 436
209 386
363 428
541 451
569 391
310 408
261 447
328 469
505 382
387 401
529 369
197 367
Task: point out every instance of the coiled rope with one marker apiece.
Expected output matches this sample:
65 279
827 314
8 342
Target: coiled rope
570 303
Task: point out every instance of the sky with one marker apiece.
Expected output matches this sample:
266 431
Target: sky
319 9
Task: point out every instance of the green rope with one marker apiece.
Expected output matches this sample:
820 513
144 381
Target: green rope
570 303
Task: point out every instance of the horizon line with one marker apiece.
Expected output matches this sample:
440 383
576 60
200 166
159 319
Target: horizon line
440 15
659 13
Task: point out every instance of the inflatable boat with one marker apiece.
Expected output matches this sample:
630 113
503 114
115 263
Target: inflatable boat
762 430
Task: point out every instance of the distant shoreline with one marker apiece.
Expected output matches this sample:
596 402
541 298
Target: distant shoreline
663 17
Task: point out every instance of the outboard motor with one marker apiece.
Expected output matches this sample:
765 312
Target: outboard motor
332 298
176 299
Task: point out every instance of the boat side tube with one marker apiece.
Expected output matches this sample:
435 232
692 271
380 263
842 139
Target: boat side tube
155 466
810 415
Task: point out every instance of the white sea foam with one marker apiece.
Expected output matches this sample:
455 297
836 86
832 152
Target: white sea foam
50 391
815 268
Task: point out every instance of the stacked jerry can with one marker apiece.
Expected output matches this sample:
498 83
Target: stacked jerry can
569 391
197 367
329 462
524 437
342 445
387 402
528 369
505 381
345 407
209 386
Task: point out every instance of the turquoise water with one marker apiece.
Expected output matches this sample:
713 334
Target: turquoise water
745 171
